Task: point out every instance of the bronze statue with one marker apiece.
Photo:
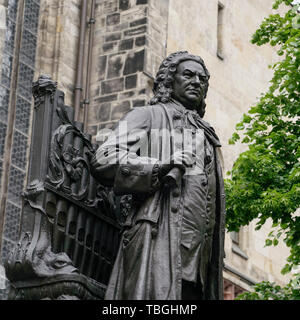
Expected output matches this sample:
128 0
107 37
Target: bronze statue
166 157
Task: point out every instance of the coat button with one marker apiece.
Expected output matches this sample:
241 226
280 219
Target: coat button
174 209
125 241
209 197
125 171
176 193
204 183
207 221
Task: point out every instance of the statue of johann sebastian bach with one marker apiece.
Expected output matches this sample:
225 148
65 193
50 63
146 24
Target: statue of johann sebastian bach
166 156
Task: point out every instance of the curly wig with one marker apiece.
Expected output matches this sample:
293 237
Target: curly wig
163 83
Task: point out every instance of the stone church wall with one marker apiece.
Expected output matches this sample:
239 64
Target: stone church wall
130 40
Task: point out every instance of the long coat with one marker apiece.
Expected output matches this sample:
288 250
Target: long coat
148 263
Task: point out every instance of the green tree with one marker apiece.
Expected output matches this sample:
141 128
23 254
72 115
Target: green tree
265 179
270 291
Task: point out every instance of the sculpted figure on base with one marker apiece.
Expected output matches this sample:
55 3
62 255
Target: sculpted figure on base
166 156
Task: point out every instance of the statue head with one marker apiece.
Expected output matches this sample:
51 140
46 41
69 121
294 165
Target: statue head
176 80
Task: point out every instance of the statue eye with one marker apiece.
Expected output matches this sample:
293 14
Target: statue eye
187 75
204 79
59 264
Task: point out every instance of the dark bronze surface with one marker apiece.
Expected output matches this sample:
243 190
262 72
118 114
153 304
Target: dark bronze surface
174 230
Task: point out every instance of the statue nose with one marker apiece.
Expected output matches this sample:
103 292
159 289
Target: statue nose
196 80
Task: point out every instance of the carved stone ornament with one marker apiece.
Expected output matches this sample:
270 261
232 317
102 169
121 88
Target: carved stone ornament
80 216
70 165
65 159
36 272
41 87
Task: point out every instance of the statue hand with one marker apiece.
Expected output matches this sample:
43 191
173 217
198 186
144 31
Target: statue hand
181 159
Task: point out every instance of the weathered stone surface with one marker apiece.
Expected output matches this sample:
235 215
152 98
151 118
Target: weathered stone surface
115 65
134 62
126 44
140 41
126 95
138 22
112 86
130 82
138 103
135 31
103 112
134 14
141 2
113 37
120 109
118 27
95 91
108 6
111 97
109 46
57 44
113 19
124 5
101 67
2 28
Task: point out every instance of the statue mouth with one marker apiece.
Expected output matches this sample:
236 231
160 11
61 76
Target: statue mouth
194 91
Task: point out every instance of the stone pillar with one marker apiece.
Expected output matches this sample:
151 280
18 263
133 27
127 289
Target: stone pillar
129 45
58 42
2 28
38 267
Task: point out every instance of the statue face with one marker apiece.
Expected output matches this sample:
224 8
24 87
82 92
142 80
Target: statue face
189 84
